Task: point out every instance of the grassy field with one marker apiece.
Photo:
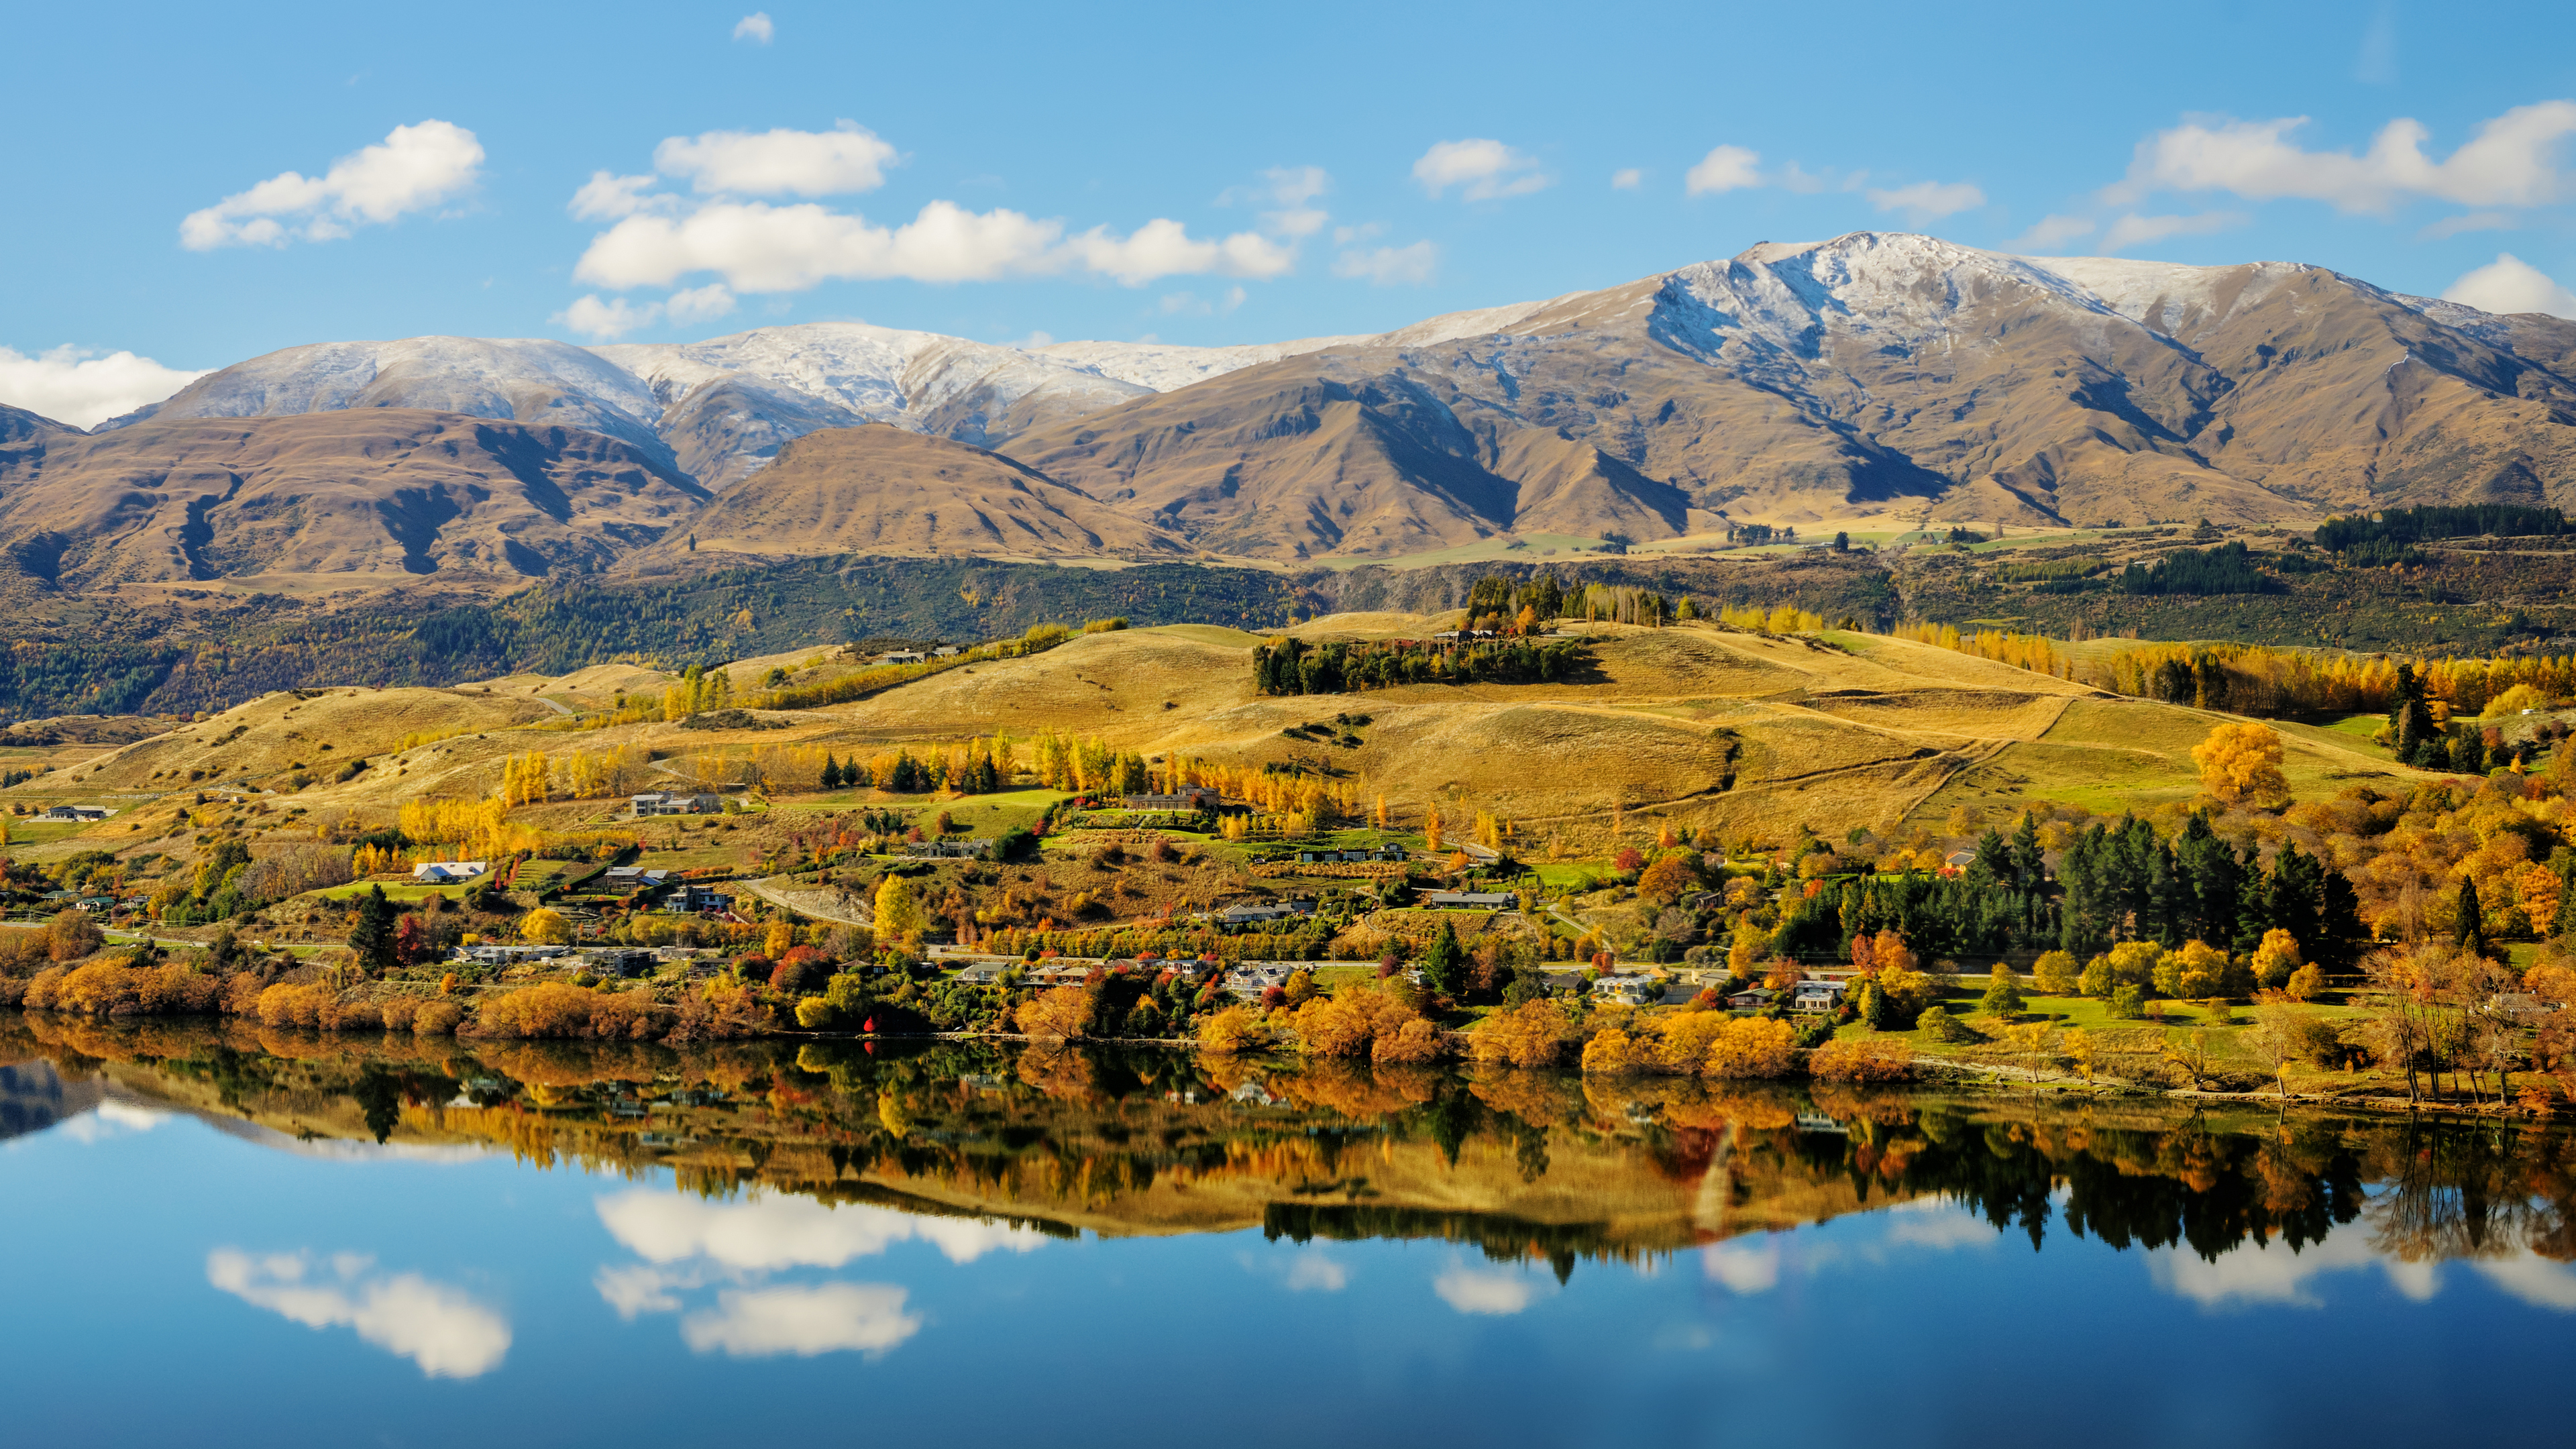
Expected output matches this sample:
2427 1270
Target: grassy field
394 891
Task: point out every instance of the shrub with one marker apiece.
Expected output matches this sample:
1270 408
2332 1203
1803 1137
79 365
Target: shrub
284 1005
1231 1031
437 1018
399 1013
1863 1059
2128 1001
1532 1034
1938 1024
559 1009
1753 1047
1415 1042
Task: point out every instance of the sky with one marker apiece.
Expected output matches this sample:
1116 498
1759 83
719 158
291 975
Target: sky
192 186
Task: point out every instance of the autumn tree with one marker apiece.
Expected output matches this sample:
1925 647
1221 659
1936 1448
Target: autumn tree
545 927
2241 764
2054 973
2003 993
898 911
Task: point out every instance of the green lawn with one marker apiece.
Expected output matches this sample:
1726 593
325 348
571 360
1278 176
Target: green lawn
404 891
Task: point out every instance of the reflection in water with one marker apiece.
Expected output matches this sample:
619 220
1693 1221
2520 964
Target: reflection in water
783 1160
689 1242
447 1333
802 1321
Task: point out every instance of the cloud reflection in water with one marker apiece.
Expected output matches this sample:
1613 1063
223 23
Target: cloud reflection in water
689 1243
440 1328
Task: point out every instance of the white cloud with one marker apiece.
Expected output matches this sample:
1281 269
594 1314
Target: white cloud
413 168
1495 1291
2052 231
1627 178
805 1321
764 1232
450 1335
607 321
1033 341
756 27
1724 168
1488 170
1312 1272
698 304
608 196
2512 161
1164 248
2135 230
2510 284
110 1119
757 247
2468 222
1293 189
1743 1270
1925 201
79 387
845 159
1390 266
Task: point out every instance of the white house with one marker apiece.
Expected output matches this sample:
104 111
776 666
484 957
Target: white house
658 802
440 872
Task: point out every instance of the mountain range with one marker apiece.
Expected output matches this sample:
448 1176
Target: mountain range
1875 376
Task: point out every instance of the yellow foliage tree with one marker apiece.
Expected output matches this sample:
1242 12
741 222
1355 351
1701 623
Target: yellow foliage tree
2278 957
2241 764
545 927
898 910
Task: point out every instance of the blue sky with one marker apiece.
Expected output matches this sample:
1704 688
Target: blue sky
197 186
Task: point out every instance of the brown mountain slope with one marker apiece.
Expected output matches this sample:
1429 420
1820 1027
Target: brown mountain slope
880 489
1870 374
374 495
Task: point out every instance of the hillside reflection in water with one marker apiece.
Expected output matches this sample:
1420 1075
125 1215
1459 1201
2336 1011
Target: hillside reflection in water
435 1240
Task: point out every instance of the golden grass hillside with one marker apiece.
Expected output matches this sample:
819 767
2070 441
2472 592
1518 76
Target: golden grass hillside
1704 725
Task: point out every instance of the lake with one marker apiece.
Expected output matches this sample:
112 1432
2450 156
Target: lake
223 1235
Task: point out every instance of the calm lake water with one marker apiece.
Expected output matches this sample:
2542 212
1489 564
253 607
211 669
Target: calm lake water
239 1237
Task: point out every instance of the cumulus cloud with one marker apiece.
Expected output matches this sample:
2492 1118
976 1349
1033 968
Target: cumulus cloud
1488 1291
757 247
415 167
80 387
111 1119
763 1232
1483 169
698 304
1724 168
1390 266
1937 1223
2135 230
2511 161
2533 1279
608 196
446 1332
1292 190
1925 201
756 27
2510 284
824 1318
1627 178
779 162
607 321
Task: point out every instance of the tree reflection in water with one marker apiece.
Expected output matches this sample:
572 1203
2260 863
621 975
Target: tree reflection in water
1526 1166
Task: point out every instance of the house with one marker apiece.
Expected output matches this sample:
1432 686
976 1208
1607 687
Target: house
1959 860
1191 797
1257 912
1062 972
949 849
1629 990
492 954
96 905
946 651
1471 901
1355 853
620 962
75 812
696 899
440 872
902 656
1251 978
1815 995
1753 998
659 802
629 877
982 973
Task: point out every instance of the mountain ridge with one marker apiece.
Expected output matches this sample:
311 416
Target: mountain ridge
1873 376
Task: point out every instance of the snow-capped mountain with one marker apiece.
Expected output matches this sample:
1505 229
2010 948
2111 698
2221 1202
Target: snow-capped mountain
1875 373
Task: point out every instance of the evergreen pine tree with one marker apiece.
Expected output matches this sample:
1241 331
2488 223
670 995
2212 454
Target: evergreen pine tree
831 772
2473 926
1444 965
2030 863
371 937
